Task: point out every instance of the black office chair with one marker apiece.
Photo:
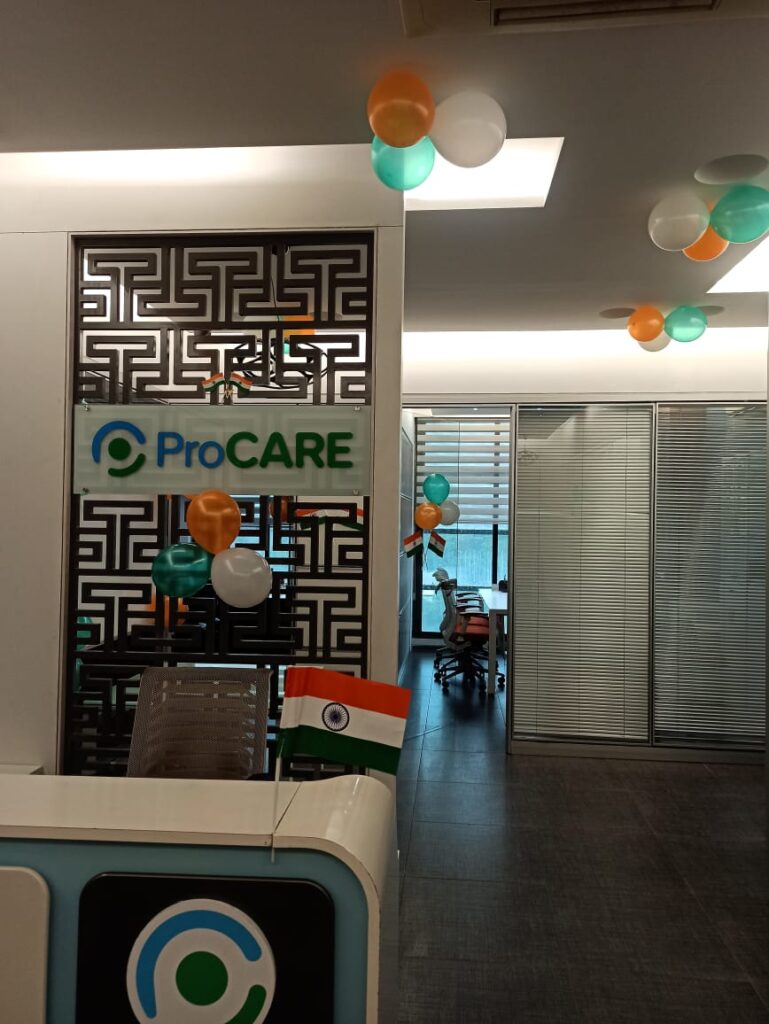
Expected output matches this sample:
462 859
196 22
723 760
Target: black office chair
465 635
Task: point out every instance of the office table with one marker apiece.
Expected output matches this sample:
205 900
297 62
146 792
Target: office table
496 605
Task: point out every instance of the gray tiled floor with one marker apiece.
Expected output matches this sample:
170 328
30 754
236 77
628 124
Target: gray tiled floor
563 890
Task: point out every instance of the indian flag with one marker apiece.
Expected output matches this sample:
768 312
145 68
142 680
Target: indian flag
210 383
413 543
436 543
343 719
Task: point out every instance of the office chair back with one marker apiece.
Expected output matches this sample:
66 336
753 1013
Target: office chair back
200 723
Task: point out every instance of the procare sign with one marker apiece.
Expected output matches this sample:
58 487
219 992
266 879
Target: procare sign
246 449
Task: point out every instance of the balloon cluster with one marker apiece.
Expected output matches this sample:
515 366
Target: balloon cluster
685 223
467 129
685 323
438 508
240 576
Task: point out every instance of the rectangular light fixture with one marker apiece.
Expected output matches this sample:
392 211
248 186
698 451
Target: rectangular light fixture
751 274
519 176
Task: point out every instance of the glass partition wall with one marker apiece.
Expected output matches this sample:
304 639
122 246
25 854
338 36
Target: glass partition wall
636 567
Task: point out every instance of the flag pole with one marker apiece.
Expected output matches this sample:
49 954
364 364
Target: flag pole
278 765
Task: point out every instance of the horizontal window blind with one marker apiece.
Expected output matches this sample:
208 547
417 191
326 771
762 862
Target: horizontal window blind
474 456
581 581
709 583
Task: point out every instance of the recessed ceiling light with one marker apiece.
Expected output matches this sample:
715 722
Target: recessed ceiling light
727 169
617 312
750 275
519 176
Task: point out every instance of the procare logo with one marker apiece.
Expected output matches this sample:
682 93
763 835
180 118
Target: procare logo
241 449
119 448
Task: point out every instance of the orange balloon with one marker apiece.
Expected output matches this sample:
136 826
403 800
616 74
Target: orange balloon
707 247
180 607
645 324
400 109
282 511
213 519
427 515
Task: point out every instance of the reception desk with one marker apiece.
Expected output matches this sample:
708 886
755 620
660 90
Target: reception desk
175 901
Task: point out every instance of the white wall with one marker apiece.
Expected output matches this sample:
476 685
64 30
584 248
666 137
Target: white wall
33 414
45 197
501 367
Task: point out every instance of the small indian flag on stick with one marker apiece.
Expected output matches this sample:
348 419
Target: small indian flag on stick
436 543
413 543
343 719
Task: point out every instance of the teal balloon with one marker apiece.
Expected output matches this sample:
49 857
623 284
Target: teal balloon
436 488
181 570
83 634
742 215
686 323
404 167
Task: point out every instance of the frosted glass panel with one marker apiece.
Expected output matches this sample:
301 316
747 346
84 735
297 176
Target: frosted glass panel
581 581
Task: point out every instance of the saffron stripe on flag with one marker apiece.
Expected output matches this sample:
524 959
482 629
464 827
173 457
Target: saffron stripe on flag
348 690
339 748
363 724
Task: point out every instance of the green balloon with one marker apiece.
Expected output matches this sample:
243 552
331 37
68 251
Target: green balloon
404 167
686 323
436 488
742 215
181 570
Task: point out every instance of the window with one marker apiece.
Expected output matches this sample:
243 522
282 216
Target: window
473 453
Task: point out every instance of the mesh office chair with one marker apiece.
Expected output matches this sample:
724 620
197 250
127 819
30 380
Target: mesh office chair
465 635
200 723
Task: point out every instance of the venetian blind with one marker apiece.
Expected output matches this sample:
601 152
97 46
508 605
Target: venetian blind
709 583
473 453
581 591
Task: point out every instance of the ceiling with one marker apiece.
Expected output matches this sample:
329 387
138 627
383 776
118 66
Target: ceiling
640 109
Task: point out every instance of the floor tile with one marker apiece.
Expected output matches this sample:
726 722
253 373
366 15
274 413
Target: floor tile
604 991
658 931
408 765
721 811
524 806
739 866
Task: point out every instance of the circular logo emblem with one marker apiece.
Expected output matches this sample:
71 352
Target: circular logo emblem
201 960
336 717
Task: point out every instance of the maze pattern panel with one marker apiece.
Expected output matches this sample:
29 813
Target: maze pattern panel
155 318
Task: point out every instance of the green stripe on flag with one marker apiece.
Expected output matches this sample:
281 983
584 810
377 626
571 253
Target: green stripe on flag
334 746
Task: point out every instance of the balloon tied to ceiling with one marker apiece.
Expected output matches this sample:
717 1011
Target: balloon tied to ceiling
466 129
653 330
240 576
702 229
436 509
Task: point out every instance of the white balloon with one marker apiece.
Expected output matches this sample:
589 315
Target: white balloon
678 221
450 511
469 129
241 577
655 346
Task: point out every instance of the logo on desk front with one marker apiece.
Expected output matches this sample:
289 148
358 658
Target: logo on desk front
201 960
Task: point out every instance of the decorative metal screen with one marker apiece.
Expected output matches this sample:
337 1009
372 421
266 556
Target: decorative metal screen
154 317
